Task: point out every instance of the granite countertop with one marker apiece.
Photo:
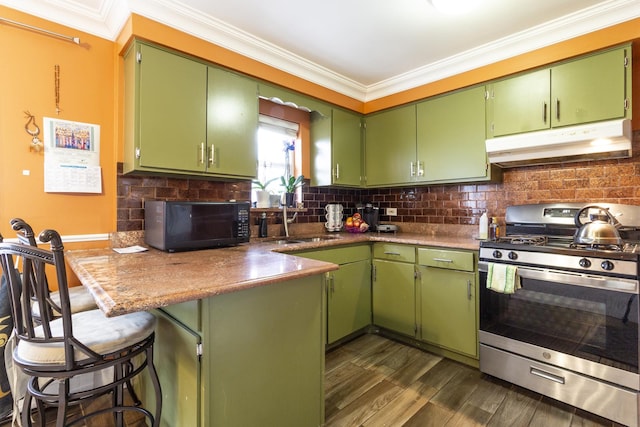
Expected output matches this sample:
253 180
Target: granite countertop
126 283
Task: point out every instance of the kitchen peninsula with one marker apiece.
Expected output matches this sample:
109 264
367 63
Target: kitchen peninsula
255 314
241 341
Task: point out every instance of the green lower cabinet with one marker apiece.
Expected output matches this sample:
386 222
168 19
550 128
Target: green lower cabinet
177 360
263 356
447 299
448 309
348 289
348 300
394 297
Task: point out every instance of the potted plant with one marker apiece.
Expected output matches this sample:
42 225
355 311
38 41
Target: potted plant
262 195
290 186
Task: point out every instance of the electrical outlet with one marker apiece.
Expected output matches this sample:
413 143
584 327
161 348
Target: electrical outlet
392 211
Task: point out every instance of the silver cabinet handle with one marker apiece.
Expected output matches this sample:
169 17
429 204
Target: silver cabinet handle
412 170
374 273
469 295
337 171
420 169
546 375
557 109
202 153
443 260
212 156
544 112
392 253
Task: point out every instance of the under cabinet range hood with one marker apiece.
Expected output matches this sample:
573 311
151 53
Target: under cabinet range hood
593 141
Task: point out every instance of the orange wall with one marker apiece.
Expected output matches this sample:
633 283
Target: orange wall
87 94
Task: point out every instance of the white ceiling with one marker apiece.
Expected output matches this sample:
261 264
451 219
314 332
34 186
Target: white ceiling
361 48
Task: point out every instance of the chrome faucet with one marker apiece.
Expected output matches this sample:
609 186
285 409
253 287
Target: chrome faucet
286 221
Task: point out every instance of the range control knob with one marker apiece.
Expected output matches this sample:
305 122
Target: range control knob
497 254
513 255
607 265
584 263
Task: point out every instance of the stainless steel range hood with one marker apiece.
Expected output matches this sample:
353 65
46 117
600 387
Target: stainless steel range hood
594 141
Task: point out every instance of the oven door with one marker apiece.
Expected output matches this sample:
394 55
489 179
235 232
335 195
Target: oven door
585 323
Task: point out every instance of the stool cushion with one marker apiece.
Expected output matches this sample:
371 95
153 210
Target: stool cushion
79 299
101 334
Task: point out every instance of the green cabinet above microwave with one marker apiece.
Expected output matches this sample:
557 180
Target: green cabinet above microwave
185 117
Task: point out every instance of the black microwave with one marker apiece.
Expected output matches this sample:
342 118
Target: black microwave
181 226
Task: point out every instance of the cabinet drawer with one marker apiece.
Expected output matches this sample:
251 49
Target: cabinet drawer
188 313
342 255
444 258
394 252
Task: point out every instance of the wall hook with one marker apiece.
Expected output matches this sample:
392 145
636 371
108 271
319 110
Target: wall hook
36 144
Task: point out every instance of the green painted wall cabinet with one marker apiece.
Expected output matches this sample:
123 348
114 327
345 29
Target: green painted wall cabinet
588 89
336 147
185 117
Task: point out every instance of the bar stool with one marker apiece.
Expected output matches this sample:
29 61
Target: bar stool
56 353
79 297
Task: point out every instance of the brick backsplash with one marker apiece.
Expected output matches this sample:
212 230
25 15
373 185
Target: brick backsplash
614 181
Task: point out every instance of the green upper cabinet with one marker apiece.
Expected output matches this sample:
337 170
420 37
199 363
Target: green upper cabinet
589 89
232 124
519 104
184 117
336 148
451 137
165 111
390 147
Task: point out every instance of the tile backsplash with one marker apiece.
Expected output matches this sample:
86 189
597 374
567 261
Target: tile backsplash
615 181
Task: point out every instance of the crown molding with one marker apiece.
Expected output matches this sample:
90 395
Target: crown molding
587 21
107 22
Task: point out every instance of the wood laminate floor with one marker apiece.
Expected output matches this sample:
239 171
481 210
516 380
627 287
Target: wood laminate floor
374 382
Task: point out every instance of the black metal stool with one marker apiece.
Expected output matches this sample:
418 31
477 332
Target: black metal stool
57 352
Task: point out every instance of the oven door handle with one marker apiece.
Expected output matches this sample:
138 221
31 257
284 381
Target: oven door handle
573 278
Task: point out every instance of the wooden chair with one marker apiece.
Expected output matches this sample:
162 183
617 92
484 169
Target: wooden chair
79 297
56 353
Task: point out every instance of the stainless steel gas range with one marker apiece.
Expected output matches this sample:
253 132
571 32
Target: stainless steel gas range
570 331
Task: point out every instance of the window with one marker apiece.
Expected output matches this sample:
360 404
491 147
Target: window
276 138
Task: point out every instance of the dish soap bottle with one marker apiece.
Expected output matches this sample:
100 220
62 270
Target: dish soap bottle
484 224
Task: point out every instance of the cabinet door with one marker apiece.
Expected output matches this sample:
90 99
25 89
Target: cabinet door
232 124
446 148
448 309
393 294
346 148
589 89
518 104
264 353
390 143
178 364
172 105
349 300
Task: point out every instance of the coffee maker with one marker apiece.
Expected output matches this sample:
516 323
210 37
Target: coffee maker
369 214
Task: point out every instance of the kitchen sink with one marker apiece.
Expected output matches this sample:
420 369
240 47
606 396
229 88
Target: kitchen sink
294 240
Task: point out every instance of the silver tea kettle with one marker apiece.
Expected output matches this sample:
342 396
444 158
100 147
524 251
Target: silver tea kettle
602 230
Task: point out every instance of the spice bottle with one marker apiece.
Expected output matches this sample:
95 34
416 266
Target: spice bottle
262 226
494 229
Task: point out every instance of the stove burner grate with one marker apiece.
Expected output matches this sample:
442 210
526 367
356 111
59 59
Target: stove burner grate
596 247
524 239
